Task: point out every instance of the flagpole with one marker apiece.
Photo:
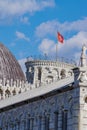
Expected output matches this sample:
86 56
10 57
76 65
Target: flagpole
56 51
60 39
57 47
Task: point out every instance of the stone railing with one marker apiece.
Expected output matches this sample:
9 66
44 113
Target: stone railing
50 58
8 89
36 92
49 63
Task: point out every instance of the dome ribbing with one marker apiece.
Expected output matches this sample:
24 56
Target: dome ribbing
9 66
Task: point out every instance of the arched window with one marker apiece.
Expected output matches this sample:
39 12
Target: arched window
1 94
39 74
14 92
7 93
63 73
64 119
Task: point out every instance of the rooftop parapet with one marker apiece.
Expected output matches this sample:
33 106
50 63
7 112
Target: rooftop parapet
8 91
50 59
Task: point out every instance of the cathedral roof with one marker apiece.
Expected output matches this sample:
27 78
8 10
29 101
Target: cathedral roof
9 67
61 85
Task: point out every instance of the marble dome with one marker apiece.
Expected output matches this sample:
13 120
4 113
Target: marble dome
9 66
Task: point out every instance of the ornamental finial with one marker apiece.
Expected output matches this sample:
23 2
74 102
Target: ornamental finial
83 56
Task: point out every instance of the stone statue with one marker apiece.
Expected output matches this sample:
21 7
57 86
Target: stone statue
83 56
84 48
83 77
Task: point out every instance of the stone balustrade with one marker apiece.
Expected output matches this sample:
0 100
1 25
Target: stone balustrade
50 63
8 89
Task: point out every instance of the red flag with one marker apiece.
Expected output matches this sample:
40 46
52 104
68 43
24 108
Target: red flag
60 37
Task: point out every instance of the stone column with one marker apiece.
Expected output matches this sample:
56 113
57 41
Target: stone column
64 120
3 94
18 125
44 123
56 120
11 126
23 124
59 72
15 126
7 126
47 121
35 75
28 123
39 123
81 116
31 123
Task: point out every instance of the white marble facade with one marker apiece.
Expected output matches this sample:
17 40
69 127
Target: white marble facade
53 98
57 112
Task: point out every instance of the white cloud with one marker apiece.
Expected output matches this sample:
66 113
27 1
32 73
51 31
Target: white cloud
51 27
47 46
74 43
11 8
22 64
25 20
21 35
70 48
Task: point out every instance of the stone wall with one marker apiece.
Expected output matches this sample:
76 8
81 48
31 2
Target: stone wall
57 112
83 107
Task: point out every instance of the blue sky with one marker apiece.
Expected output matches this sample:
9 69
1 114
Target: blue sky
29 27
